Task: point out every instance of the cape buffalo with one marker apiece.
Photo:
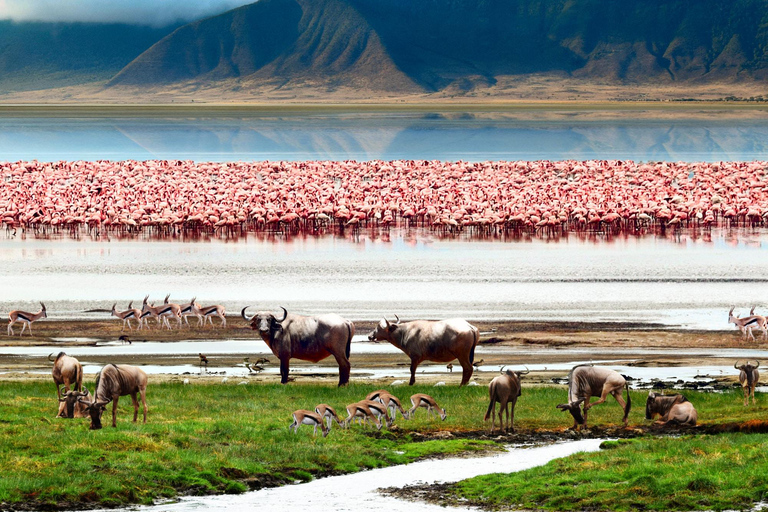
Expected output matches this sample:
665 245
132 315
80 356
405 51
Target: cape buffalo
309 338
112 382
671 408
586 381
440 341
67 371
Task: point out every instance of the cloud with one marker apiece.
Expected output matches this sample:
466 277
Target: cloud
135 12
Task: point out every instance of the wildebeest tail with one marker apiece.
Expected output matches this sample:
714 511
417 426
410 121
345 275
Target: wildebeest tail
629 401
77 378
349 339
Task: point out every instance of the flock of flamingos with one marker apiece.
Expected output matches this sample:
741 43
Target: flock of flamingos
542 197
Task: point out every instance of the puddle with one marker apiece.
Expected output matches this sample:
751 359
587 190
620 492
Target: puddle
359 491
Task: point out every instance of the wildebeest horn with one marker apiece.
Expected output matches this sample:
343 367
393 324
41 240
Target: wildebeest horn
526 372
397 318
49 356
285 314
736 365
242 313
502 369
757 363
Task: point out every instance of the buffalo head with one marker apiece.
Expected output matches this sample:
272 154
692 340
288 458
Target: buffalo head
265 322
575 409
70 399
383 330
95 410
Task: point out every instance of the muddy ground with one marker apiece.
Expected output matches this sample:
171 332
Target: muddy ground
518 340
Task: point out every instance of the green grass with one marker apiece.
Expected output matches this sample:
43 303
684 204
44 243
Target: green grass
727 471
204 439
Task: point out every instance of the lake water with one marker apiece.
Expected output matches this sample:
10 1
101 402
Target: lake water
387 136
683 280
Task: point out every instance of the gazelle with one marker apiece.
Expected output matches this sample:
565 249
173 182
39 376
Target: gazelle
429 403
390 401
126 315
148 310
304 417
174 311
25 318
361 411
748 323
328 413
186 312
206 313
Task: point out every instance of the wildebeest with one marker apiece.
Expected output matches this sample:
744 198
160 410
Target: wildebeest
112 382
67 371
586 381
309 338
504 389
671 408
439 341
748 377
70 405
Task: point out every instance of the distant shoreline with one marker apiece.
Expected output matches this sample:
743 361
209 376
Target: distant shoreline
595 109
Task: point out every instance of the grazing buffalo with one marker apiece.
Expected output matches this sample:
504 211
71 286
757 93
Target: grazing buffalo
748 378
67 371
671 408
70 406
586 381
112 382
504 389
423 340
309 338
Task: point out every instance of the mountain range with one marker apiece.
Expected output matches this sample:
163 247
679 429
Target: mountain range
403 47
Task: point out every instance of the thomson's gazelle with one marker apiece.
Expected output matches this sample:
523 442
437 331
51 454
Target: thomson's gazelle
304 417
25 318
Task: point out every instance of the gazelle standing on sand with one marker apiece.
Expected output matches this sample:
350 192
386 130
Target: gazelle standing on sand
26 318
429 403
148 310
206 313
304 417
126 315
748 323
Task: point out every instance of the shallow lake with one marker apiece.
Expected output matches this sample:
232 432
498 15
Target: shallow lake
686 280
470 136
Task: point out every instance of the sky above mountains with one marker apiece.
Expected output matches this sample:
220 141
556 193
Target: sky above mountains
139 12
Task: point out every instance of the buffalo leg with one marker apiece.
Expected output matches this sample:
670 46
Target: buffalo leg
284 370
114 411
414 365
344 368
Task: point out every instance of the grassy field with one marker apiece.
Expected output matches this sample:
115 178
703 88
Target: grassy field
225 438
697 472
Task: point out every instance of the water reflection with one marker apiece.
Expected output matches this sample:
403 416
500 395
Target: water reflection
386 136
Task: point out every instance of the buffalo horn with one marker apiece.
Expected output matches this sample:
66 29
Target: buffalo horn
285 314
242 313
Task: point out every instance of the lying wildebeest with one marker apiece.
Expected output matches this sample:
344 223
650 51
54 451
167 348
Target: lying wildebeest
112 382
67 371
504 389
671 408
70 405
309 338
586 381
439 341
748 377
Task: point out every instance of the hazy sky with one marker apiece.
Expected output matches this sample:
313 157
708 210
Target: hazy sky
144 12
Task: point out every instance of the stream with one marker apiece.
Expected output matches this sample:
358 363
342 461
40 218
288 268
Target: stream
359 491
